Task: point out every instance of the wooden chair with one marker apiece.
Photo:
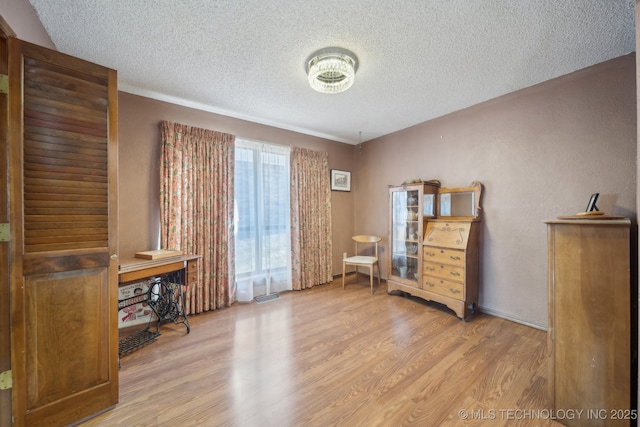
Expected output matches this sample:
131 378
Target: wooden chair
363 260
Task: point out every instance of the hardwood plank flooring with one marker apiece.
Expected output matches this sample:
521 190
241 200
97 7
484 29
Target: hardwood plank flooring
328 357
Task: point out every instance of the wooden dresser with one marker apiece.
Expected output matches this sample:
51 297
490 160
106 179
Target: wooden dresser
589 335
450 265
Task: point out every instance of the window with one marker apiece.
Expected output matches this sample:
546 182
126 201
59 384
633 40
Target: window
262 226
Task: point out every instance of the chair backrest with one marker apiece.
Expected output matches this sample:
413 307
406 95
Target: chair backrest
363 238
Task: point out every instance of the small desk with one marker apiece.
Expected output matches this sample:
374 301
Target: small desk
138 268
165 297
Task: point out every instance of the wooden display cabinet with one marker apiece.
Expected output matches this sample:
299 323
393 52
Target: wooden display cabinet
410 206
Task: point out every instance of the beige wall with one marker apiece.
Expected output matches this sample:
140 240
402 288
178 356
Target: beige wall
139 156
540 152
24 22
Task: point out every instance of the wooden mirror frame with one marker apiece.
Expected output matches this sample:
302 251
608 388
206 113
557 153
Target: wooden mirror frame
475 188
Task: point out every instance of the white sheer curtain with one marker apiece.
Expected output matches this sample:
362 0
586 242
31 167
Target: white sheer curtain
262 221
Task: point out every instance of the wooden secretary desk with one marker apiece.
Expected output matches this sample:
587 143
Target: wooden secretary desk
448 256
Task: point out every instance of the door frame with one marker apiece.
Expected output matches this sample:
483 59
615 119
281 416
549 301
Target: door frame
5 303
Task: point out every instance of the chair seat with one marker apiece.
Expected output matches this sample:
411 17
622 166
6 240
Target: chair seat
360 259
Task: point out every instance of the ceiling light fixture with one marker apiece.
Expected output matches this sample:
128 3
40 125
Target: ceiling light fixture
331 70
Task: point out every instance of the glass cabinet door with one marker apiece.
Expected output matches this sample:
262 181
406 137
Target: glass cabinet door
405 217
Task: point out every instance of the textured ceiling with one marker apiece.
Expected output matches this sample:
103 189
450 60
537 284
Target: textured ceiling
419 59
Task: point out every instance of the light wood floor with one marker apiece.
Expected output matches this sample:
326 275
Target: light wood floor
328 357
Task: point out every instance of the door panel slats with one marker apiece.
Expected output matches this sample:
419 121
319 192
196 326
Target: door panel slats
79 172
65 136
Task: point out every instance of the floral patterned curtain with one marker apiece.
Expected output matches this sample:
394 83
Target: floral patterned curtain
310 219
196 208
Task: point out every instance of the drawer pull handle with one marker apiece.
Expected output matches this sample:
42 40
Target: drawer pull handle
430 253
454 291
430 268
431 284
455 258
454 273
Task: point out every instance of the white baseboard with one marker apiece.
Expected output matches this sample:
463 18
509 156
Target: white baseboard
511 318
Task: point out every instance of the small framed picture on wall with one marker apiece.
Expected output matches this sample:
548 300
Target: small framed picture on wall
340 180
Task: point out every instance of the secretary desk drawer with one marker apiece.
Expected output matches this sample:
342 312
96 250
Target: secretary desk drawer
443 287
442 255
450 272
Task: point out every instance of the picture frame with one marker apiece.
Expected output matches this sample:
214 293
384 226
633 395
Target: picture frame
591 206
340 180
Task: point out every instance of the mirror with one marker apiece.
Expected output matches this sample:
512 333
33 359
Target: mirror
463 202
457 204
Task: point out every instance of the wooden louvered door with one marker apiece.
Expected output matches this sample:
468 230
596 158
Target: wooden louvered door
62 138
